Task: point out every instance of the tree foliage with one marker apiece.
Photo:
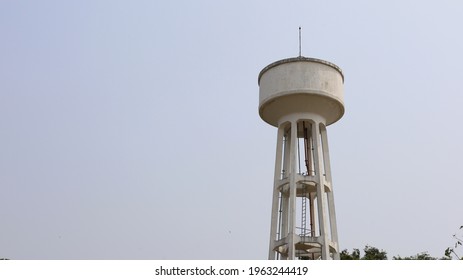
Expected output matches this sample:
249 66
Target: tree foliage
373 253
345 255
370 253
449 252
420 256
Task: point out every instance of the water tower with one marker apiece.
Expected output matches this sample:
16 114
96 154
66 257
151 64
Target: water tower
302 96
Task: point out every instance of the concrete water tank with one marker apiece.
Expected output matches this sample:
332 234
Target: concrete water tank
299 85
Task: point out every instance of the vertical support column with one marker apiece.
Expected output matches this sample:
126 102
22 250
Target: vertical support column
292 191
284 221
286 158
318 162
285 191
312 214
331 208
276 180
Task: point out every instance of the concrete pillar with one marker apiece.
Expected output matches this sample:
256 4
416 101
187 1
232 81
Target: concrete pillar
276 193
331 208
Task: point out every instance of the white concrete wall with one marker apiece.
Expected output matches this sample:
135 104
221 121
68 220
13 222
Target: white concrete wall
301 85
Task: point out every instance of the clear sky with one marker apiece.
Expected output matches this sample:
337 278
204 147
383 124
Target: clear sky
129 129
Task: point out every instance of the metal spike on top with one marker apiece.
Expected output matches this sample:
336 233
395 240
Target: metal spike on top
300 55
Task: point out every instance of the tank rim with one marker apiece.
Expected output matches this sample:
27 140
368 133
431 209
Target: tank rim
298 59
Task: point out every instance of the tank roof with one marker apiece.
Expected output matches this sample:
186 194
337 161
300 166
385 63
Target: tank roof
298 59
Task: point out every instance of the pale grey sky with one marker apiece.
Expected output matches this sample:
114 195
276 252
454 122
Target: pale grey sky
129 129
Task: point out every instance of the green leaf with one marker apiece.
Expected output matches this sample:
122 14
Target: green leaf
448 251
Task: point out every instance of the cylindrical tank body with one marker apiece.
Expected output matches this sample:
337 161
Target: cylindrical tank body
299 85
